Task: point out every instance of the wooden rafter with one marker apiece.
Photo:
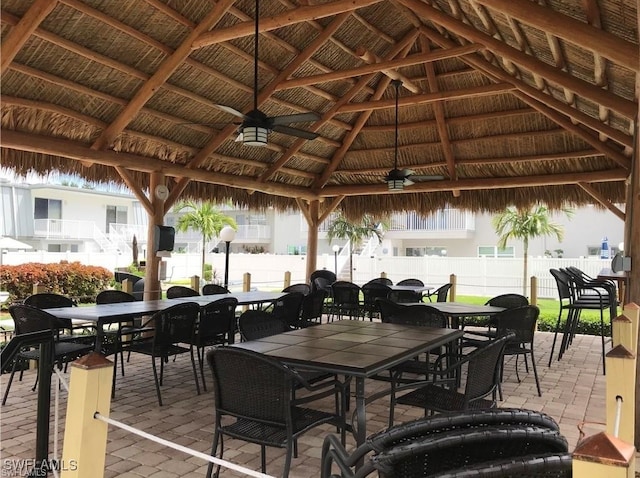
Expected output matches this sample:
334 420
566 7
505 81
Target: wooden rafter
19 35
591 191
593 93
372 59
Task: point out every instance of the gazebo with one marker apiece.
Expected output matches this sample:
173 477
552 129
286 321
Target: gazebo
363 106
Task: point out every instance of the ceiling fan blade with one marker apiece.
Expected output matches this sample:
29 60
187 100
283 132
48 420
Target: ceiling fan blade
426 177
300 133
408 182
239 138
295 118
232 111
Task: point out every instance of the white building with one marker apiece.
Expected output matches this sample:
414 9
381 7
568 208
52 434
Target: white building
58 218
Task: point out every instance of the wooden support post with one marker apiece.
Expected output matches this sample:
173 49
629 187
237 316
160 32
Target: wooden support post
452 291
534 291
127 286
246 282
152 290
603 456
383 275
85 438
620 381
632 312
38 289
287 279
195 283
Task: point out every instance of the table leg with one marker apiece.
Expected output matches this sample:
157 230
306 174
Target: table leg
361 417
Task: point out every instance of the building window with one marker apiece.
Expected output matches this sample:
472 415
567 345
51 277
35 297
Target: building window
414 251
116 214
47 208
495 251
54 247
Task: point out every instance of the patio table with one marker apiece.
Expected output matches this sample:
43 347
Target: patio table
101 314
353 348
457 311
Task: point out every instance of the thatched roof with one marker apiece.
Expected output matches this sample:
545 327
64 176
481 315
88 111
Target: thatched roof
510 101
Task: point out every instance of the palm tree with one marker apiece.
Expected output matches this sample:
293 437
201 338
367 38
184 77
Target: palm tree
205 218
342 228
525 224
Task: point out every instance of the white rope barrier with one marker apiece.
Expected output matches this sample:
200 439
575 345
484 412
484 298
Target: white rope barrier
616 424
60 380
184 449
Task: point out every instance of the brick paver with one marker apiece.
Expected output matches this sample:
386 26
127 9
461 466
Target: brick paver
572 392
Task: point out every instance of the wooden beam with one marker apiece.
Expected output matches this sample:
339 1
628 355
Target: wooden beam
136 190
591 191
371 58
329 208
79 152
589 91
377 104
304 209
20 33
545 105
166 69
377 67
611 175
574 31
290 17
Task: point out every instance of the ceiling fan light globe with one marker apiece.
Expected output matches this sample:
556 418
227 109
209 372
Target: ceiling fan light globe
395 184
254 136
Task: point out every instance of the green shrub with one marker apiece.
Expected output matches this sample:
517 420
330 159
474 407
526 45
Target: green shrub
71 279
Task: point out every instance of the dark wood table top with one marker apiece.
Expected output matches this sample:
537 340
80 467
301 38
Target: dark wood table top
352 347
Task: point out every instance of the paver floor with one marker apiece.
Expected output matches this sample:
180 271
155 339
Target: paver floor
573 392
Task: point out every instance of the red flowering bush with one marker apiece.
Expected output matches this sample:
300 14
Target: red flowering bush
67 278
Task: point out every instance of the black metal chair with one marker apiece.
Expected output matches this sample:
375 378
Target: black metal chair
381 280
417 315
481 384
405 296
370 292
312 308
115 339
441 293
27 319
327 278
506 301
50 300
301 287
333 452
345 297
255 324
213 289
216 326
547 465
258 405
173 326
176 291
574 297
288 308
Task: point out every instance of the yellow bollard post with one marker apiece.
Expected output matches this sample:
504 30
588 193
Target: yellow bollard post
38 289
383 275
534 291
632 312
85 438
127 286
452 291
246 282
620 382
622 332
195 283
287 279
603 456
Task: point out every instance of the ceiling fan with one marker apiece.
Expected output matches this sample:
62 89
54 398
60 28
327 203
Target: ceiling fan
397 179
255 124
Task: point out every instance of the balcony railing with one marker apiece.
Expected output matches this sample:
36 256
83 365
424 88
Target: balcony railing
63 229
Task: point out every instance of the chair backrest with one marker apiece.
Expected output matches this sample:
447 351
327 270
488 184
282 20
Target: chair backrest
27 319
380 280
217 322
563 284
322 279
508 301
114 296
287 308
345 293
416 282
521 322
313 305
256 324
442 292
547 465
301 287
138 289
251 385
213 289
415 314
176 291
459 448
48 300
175 324
372 291
483 372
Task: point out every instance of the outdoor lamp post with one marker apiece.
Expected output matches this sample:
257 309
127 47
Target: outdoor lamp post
227 234
336 249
